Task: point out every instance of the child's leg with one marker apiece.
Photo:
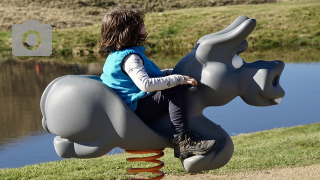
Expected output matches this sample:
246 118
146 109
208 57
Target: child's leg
173 100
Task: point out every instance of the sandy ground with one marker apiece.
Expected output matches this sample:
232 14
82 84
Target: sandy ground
296 173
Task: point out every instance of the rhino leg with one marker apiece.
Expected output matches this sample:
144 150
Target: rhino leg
215 159
64 148
81 149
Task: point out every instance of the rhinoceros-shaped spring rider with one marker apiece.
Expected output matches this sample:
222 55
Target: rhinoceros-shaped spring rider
89 119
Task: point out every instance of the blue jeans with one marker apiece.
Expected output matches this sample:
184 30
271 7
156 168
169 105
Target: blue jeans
173 100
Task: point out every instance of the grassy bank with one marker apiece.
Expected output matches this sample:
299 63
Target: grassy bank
283 147
284 24
279 25
77 13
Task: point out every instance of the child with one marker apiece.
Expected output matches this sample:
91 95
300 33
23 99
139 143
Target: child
147 90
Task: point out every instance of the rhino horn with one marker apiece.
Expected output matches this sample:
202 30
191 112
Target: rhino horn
226 44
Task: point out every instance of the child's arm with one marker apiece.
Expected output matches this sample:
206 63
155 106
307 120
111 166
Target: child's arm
133 66
167 72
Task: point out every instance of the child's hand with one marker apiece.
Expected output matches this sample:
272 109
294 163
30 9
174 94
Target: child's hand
190 80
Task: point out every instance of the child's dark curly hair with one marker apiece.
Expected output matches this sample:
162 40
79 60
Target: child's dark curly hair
121 29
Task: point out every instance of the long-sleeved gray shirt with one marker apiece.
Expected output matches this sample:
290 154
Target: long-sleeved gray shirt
133 66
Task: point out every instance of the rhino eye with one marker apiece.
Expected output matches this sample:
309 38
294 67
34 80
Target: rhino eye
237 62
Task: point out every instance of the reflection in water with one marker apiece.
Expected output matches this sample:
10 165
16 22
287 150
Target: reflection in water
20 91
21 87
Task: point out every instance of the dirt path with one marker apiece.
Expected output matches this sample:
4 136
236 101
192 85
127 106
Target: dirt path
297 173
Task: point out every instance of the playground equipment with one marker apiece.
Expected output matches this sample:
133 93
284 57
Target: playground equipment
89 119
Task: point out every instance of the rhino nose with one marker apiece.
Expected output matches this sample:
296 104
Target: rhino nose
275 74
274 90
275 81
268 79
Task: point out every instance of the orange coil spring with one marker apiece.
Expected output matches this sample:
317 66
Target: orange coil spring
147 159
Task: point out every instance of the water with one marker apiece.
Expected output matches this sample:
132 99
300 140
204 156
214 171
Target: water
24 142
299 106
22 138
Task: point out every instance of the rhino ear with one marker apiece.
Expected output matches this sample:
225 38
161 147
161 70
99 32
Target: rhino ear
242 47
220 47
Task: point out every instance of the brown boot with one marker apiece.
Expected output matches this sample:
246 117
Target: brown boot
186 145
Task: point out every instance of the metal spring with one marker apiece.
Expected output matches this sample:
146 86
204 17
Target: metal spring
147 159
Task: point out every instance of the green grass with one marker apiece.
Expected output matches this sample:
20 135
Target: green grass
283 147
147 5
70 13
282 25
5 40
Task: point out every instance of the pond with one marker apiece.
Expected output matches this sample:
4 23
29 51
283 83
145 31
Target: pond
23 140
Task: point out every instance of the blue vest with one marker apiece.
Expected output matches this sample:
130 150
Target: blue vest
120 82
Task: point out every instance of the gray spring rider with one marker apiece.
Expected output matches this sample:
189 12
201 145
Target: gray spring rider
89 119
